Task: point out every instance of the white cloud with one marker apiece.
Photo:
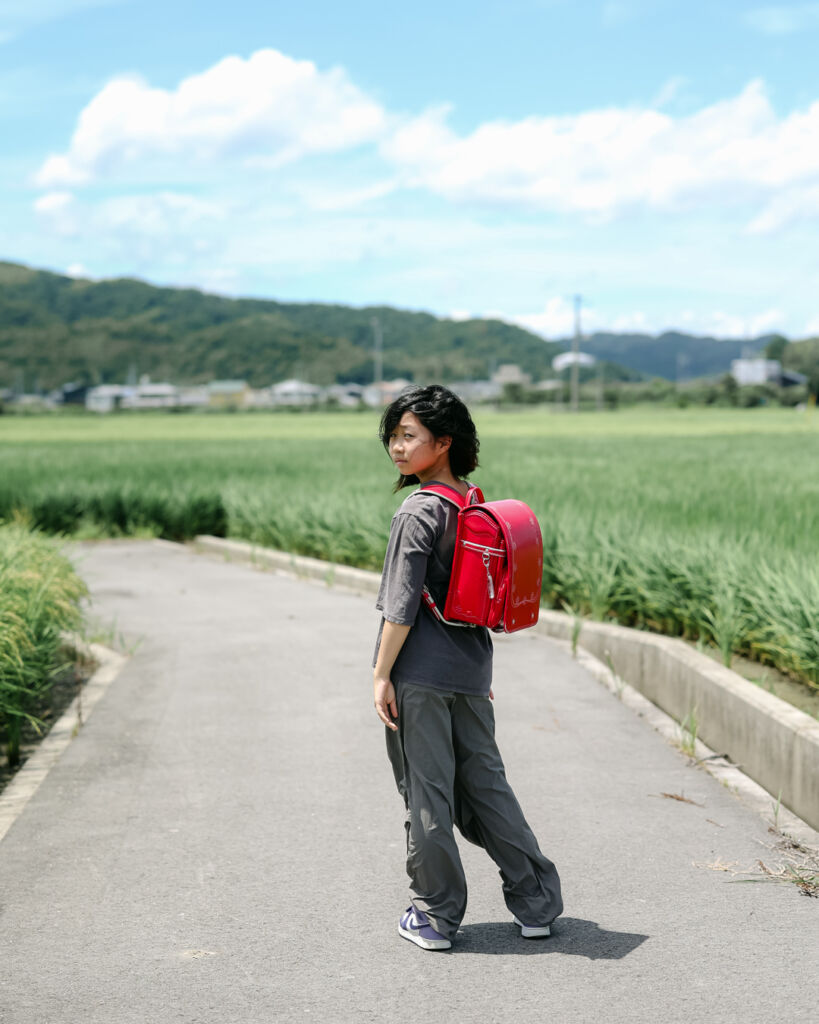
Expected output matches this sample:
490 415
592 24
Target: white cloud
53 202
268 107
785 208
812 328
783 20
330 198
76 270
556 320
603 162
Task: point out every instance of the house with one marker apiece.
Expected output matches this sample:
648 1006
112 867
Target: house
747 372
106 397
227 394
476 390
295 393
378 395
511 373
151 396
346 396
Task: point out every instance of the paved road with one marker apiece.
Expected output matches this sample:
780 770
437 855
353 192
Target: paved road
222 842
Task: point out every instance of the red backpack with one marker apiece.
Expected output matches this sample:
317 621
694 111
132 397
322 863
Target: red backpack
497 570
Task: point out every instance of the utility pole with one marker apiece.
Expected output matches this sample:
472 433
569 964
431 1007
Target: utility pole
378 354
576 354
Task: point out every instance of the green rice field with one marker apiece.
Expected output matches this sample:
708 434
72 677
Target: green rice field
700 523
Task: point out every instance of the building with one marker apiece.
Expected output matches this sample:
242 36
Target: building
150 396
346 396
106 397
476 390
747 372
227 394
295 393
511 373
378 395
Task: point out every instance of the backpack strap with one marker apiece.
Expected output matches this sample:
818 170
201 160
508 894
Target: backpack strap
473 496
448 493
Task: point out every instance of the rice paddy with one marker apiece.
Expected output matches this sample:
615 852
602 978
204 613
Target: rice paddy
700 523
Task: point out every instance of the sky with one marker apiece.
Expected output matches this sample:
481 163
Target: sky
482 158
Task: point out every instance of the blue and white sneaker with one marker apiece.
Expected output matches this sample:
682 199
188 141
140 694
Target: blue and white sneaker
414 925
542 931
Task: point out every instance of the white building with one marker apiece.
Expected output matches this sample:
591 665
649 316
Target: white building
564 359
106 397
755 371
295 392
477 390
150 396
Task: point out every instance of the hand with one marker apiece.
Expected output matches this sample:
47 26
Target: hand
491 694
385 702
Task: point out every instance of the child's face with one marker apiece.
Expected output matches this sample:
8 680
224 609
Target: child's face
415 450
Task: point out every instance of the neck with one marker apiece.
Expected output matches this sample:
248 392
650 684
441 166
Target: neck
442 473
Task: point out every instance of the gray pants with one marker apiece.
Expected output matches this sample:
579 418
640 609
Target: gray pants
449 771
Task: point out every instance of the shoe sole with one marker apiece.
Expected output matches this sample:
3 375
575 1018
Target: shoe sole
419 940
542 932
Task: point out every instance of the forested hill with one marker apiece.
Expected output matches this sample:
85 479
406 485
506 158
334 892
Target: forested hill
54 329
672 355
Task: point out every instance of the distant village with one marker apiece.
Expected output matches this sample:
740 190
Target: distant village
238 394
508 379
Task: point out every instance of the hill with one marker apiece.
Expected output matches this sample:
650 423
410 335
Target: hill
671 355
55 328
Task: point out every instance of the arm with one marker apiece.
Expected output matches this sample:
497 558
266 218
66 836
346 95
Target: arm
392 640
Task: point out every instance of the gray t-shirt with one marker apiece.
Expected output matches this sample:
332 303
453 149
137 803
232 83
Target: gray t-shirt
420 551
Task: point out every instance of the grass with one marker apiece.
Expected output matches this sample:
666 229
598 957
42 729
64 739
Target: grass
39 598
695 523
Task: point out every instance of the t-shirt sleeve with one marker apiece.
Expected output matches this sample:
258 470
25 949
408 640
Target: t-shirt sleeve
405 567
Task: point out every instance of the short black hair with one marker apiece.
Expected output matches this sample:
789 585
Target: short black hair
444 415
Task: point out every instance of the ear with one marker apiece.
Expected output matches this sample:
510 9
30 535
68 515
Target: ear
444 443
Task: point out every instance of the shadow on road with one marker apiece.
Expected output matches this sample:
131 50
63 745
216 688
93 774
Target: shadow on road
570 935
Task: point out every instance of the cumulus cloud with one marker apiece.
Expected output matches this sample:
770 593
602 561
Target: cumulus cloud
604 162
268 108
783 20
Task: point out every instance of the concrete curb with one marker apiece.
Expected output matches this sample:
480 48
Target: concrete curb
775 744
29 778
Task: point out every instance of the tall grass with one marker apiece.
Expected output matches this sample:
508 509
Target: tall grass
39 597
700 523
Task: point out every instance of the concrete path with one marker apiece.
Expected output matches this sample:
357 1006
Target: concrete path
222 841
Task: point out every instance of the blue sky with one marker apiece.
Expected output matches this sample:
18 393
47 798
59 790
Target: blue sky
484 158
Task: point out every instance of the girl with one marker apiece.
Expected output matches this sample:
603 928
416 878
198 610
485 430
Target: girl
432 686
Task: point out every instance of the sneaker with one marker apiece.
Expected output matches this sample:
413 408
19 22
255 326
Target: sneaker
414 925
541 931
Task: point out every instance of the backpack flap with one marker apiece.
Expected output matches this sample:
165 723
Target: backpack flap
524 544
477 589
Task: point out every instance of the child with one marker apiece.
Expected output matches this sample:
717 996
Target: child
432 686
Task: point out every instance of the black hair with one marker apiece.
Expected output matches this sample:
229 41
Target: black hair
444 415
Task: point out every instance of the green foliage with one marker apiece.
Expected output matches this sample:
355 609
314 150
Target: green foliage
56 329
695 523
39 595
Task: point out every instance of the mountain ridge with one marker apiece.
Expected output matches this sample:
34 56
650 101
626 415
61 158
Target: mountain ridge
55 328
